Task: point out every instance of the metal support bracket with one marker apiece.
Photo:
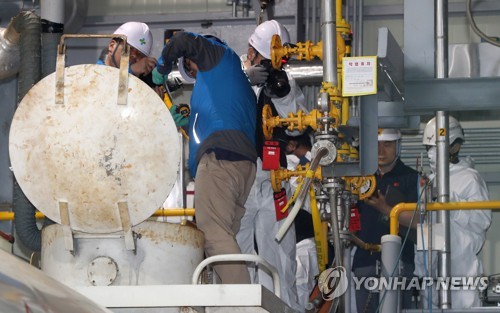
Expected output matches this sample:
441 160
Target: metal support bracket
127 226
67 233
123 70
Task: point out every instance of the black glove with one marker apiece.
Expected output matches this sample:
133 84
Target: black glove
257 74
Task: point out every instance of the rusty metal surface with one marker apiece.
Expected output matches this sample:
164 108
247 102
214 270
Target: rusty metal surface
91 152
182 235
165 254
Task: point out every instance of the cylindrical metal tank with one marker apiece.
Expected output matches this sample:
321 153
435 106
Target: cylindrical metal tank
94 149
165 254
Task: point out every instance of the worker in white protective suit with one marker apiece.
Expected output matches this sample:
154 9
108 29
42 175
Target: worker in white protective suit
467 228
261 221
299 153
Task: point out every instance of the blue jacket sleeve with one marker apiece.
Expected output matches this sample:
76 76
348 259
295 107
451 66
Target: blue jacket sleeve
206 53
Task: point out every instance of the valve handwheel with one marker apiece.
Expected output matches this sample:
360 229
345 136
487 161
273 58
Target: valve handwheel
267 128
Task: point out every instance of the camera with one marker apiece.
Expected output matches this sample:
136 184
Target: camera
276 84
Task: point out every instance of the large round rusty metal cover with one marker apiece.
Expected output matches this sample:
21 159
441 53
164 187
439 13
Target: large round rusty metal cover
90 153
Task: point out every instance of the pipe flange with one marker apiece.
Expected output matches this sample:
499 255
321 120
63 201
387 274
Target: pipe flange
333 184
330 157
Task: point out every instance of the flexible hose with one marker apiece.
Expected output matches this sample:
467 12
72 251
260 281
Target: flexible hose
302 195
28 25
478 32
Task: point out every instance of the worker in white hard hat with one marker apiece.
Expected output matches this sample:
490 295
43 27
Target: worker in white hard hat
396 182
261 221
467 228
140 40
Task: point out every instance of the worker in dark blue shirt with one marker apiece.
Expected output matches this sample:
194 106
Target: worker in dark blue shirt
396 183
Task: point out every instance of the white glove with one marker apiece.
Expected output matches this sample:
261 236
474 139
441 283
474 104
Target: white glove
257 74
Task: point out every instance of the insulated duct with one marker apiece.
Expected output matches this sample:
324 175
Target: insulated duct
27 24
9 50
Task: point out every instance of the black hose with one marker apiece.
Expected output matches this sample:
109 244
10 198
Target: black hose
27 24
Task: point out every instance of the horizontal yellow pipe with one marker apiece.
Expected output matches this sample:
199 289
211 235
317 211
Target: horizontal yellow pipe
8 216
438 206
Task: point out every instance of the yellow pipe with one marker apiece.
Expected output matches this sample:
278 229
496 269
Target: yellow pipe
345 111
338 10
437 206
320 233
8 216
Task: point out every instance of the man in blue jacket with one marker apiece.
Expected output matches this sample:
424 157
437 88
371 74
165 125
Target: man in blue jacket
222 152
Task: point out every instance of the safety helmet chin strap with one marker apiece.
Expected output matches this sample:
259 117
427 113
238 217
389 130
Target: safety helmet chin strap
398 148
398 153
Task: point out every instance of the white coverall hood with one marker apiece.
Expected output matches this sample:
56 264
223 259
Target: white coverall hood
260 215
467 232
306 254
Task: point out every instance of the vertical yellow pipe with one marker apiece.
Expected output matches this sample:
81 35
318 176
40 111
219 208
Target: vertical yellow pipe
345 110
320 233
338 11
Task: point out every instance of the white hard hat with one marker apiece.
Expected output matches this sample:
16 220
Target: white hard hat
261 37
138 36
455 131
389 134
180 62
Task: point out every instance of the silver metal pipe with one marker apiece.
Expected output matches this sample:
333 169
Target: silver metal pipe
347 251
347 266
359 46
442 145
313 21
307 19
443 186
235 8
305 73
354 26
441 23
354 109
329 38
334 216
346 10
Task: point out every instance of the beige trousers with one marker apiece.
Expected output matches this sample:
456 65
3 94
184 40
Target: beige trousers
222 187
